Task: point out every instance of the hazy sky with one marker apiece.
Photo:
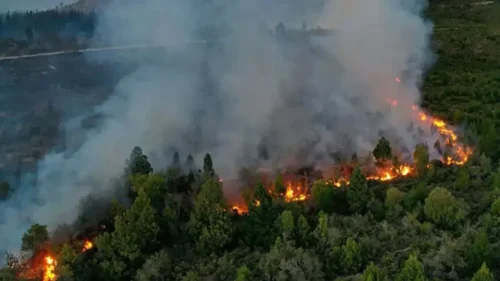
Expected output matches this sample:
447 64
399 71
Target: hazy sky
9 5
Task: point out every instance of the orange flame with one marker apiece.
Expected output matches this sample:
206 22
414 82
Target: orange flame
383 174
240 209
461 152
294 194
50 265
87 245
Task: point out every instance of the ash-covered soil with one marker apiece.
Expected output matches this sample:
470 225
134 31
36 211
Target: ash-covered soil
38 94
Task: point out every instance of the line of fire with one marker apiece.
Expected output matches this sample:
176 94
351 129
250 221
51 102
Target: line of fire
298 184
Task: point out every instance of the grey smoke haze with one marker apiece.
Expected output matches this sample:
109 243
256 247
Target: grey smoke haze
31 5
250 91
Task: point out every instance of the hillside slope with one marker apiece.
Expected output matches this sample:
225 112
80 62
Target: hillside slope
86 6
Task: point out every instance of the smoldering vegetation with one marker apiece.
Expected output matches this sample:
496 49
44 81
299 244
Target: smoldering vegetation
233 82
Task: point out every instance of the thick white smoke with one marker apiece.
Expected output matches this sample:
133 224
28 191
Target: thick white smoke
297 102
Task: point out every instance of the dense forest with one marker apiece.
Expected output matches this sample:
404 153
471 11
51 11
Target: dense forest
439 222
23 33
42 31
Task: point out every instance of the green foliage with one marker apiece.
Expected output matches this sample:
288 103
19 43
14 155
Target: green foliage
303 231
208 168
321 231
210 224
393 197
358 194
259 225
485 165
279 186
138 163
495 207
463 179
329 198
352 259
42 27
416 195
287 225
135 235
442 208
153 185
243 274
480 251
285 262
116 209
323 194
412 270
373 273
488 142
35 238
421 158
495 185
191 276
483 274
157 267
383 150
65 262
217 235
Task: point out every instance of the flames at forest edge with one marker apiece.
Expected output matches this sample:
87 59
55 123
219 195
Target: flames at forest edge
49 263
457 154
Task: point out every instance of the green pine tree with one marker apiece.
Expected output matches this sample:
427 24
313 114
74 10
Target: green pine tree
373 273
421 158
412 270
383 150
358 193
483 274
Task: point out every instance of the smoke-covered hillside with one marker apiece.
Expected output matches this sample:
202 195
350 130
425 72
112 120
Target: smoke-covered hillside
271 92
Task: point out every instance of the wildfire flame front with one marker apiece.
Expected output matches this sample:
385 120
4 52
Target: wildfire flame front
50 265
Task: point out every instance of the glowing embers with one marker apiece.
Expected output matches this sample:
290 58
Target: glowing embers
87 245
296 193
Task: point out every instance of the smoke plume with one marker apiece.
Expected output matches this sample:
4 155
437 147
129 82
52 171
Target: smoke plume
250 98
